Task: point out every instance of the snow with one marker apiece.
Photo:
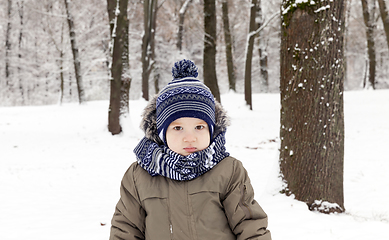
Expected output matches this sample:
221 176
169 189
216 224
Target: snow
326 206
60 169
322 8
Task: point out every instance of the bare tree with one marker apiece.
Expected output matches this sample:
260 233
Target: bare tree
76 58
256 26
8 43
249 54
385 18
312 118
228 43
149 20
368 8
58 45
155 70
181 19
34 63
209 59
263 81
20 39
33 67
118 21
61 68
120 80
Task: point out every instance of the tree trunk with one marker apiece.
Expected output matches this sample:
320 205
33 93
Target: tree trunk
157 76
346 33
385 18
368 17
8 44
264 81
153 28
76 58
209 59
111 9
120 80
149 14
125 78
21 15
145 48
312 118
61 66
61 91
181 19
249 54
228 42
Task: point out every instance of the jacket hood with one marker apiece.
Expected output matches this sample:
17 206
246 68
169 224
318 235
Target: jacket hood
149 120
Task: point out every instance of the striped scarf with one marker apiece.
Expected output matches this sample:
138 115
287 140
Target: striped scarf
160 160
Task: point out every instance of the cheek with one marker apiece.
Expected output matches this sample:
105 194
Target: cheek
170 138
206 139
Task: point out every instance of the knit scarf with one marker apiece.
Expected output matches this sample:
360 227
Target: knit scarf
160 160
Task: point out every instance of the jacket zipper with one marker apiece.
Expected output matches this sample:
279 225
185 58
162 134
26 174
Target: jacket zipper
191 234
169 214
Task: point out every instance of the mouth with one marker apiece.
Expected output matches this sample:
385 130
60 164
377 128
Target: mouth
190 149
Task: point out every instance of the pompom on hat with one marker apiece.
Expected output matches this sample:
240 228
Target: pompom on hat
184 96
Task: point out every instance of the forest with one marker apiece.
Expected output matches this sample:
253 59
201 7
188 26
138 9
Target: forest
309 52
37 57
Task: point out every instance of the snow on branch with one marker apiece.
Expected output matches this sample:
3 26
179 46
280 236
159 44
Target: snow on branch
251 34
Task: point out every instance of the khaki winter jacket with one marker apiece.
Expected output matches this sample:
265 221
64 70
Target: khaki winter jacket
216 205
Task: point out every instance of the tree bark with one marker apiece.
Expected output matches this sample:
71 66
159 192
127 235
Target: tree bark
111 9
116 71
149 13
153 68
120 80
312 118
21 15
181 20
368 17
8 43
209 59
346 34
76 58
385 18
249 54
61 90
125 78
264 81
228 42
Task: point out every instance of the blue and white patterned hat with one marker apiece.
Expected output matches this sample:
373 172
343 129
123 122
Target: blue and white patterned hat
184 96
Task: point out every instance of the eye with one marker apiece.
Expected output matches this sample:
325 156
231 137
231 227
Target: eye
200 127
178 128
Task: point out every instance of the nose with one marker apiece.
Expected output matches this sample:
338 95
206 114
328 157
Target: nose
190 137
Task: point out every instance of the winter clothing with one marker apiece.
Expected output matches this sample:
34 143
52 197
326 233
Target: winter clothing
205 195
160 160
184 96
218 205
149 121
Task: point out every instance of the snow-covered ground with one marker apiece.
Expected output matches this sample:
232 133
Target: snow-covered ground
60 169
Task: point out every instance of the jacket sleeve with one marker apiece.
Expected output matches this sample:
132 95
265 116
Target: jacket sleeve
246 218
129 217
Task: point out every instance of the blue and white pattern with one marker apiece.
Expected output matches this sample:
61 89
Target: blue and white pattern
160 160
184 68
184 96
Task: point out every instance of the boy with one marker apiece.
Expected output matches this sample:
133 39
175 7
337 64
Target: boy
184 184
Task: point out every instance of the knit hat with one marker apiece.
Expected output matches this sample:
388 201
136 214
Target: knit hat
184 96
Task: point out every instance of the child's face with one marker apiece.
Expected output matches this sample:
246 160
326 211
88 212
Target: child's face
187 135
